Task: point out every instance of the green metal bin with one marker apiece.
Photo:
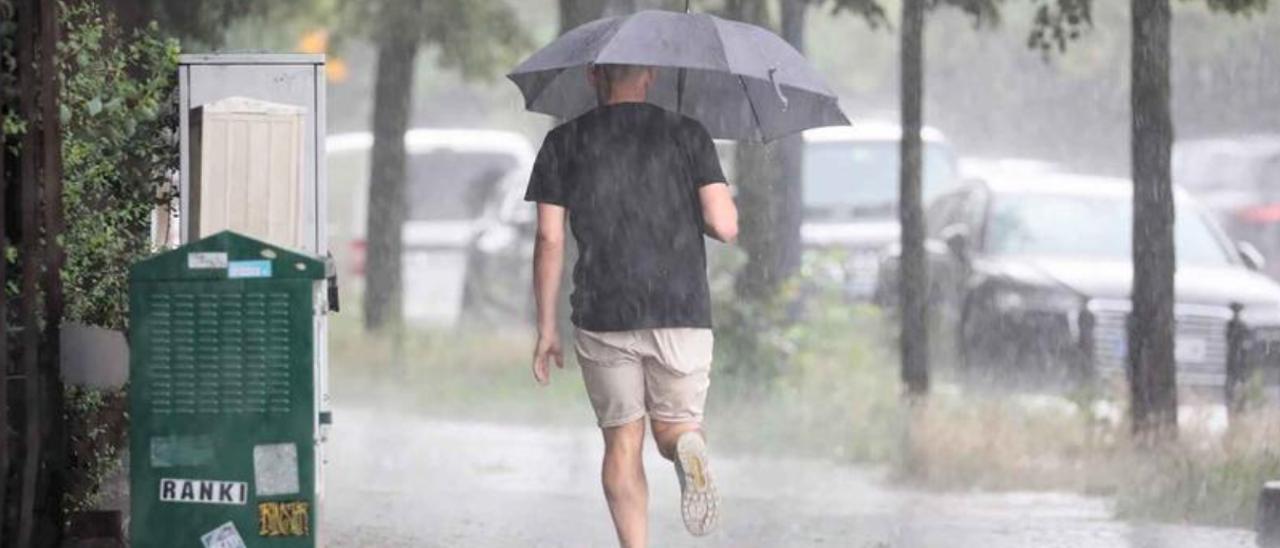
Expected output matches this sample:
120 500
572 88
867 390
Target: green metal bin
224 420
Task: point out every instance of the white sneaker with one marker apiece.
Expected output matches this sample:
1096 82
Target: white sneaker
699 501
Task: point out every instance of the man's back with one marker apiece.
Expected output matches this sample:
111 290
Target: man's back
629 175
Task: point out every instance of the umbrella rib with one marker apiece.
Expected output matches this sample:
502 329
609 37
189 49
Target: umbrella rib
752 104
724 52
535 94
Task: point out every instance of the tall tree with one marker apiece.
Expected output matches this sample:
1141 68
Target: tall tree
787 196
203 21
912 268
770 236
396 39
914 337
1153 404
1152 375
1152 379
474 36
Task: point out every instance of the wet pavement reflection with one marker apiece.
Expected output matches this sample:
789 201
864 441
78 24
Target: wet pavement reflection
398 480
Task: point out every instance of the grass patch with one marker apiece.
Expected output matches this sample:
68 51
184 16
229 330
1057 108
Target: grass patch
471 374
1002 442
835 396
995 442
1209 481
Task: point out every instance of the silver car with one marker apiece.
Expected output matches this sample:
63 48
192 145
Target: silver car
1032 274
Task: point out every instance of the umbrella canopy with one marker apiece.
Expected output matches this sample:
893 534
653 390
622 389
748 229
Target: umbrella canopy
741 81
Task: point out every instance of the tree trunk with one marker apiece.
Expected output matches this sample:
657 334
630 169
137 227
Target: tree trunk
53 480
4 332
789 190
1153 392
769 191
759 172
621 7
392 99
30 255
573 13
914 335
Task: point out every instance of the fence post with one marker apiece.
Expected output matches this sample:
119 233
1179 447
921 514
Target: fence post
1087 368
1237 364
1267 525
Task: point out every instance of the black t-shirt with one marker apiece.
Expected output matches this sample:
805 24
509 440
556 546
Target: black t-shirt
629 175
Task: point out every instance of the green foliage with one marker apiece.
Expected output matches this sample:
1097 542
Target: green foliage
984 12
204 21
97 426
1241 7
119 121
758 338
480 38
807 370
10 125
869 10
1058 22
477 37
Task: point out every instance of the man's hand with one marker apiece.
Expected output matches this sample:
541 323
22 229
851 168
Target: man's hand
548 348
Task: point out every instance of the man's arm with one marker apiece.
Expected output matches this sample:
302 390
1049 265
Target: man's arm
719 214
548 262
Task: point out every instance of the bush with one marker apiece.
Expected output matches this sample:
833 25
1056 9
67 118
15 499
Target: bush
804 372
119 126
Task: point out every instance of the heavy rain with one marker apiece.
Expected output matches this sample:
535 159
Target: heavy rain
462 273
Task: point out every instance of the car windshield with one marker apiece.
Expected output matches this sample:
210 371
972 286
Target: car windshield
1090 226
861 177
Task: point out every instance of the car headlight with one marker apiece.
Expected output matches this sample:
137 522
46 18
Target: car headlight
1035 299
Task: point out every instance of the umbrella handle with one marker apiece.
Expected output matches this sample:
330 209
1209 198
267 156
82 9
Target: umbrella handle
777 88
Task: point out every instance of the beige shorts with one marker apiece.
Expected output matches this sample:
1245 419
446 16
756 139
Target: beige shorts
663 373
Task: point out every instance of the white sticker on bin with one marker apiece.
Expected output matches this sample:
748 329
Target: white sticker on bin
204 491
225 536
207 260
275 469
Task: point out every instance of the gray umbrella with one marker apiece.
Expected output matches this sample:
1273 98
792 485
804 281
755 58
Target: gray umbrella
741 81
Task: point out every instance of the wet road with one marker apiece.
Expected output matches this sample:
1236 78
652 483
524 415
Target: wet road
397 480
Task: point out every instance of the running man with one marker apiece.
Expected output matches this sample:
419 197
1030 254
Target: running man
641 186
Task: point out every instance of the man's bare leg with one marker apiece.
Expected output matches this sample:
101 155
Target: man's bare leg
666 434
625 487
